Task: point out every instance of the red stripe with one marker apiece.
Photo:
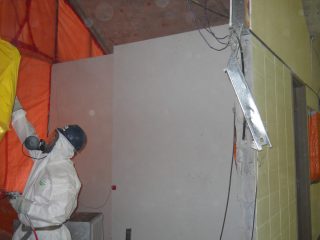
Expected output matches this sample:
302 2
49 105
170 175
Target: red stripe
25 20
56 32
30 30
26 46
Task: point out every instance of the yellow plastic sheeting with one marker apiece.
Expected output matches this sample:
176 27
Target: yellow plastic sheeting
9 66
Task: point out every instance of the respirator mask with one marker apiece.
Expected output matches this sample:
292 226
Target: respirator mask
34 143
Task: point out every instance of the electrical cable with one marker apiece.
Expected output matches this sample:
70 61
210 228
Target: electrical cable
244 125
317 55
214 35
210 10
241 55
208 29
254 210
230 176
255 199
32 227
284 63
30 156
101 205
209 45
218 39
312 90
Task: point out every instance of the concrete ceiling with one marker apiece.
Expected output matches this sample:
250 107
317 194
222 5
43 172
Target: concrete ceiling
123 21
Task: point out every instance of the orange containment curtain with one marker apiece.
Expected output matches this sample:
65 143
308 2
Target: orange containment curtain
33 91
70 47
45 32
314 147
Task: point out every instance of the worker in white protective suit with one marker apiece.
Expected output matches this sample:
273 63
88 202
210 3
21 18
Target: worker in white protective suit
51 192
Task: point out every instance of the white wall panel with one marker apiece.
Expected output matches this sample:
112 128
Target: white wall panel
172 140
81 93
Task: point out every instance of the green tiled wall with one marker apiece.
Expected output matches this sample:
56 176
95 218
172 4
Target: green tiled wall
276 202
282 26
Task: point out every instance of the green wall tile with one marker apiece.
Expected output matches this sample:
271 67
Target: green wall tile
264 231
285 234
274 203
274 181
276 185
275 226
284 213
263 213
263 189
284 197
273 157
293 231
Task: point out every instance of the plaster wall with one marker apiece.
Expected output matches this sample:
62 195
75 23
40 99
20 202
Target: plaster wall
81 93
172 141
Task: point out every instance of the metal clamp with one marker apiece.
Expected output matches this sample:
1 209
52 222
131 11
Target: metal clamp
246 100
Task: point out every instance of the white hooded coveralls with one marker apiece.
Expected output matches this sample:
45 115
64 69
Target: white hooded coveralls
53 185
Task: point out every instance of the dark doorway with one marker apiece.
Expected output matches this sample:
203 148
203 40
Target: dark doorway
302 160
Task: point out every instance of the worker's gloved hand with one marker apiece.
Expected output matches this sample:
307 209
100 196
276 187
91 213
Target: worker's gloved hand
17 105
20 204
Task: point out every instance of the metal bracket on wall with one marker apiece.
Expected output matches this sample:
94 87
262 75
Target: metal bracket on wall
246 100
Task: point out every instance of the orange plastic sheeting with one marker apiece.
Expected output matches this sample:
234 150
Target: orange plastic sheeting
33 92
34 25
12 14
29 24
42 22
74 39
314 146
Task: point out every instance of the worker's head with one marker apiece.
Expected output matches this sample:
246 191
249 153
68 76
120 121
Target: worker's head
75 135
